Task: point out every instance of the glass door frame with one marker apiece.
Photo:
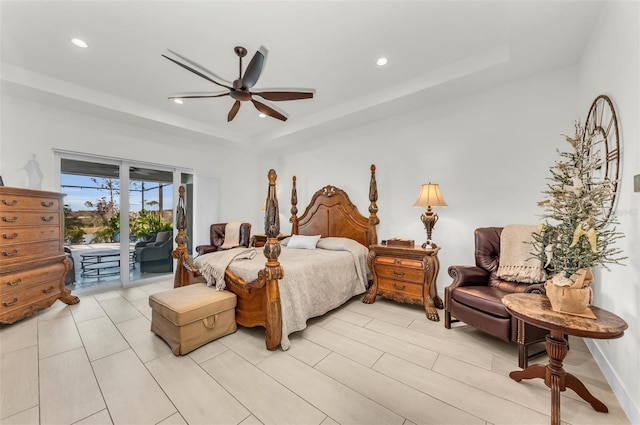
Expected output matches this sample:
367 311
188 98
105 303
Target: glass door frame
124 167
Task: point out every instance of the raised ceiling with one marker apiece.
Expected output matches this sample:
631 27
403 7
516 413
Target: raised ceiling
435 49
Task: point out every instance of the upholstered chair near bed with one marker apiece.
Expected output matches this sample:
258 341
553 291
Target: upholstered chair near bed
475 297
217 237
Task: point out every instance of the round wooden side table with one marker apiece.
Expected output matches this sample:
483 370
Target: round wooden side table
536 310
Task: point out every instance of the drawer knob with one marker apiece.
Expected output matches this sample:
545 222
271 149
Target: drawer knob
46 204
10 254
9 219
397 274
48 290
47 219
398 286
10 303
5 236
10 203
14 283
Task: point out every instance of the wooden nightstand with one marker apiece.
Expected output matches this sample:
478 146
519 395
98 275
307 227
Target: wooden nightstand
406 275
261 239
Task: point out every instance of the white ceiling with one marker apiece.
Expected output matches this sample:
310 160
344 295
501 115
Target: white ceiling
436 49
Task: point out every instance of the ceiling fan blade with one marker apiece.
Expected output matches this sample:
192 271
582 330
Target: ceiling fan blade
199 96
253 71
198 73
197 65
267 110
284 95
233 111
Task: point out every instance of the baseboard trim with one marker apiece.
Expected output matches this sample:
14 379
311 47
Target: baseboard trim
630 408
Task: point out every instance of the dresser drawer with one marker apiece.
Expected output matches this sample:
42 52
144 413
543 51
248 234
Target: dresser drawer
24 279
398 272
11 219
18 300
18 253
10 202
28 234
410 290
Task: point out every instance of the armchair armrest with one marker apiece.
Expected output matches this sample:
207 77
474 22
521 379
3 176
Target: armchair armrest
205 249
468 276
536 288
143 244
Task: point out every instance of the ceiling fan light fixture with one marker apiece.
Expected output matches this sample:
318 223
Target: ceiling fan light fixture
262 115
381 61
241 88
80 43
178 101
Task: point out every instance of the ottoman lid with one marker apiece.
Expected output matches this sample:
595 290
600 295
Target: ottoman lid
189 303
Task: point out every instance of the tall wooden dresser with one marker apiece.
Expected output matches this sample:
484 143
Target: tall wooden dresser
32 260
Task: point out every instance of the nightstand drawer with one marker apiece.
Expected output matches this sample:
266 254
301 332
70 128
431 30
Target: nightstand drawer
411 290
399 273
406 262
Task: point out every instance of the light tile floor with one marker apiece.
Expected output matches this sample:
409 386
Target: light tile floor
97 362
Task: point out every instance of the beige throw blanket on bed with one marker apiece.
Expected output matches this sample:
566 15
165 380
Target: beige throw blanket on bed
231 235
213 265
517 263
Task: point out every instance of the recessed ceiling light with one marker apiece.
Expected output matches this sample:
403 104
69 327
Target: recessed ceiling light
381 62
178 101
79 43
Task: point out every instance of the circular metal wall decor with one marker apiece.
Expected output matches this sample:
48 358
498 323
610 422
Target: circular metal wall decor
602 124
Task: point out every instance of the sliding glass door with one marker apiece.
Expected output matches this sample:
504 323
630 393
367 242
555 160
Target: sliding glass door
118 219
150 221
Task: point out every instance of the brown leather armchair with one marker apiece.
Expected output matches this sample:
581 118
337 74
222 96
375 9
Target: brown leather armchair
217 237
475 297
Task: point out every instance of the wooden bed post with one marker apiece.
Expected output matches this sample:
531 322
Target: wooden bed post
373 207
273 270
181 253
294 208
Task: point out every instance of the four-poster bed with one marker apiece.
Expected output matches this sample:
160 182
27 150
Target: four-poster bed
330 214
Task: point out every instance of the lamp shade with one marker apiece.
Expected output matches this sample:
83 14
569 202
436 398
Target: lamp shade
430 196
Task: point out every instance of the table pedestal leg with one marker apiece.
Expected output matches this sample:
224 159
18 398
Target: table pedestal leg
556 378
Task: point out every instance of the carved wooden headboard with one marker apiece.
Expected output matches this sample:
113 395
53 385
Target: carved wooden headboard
331 213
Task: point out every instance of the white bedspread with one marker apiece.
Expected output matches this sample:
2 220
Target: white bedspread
315 281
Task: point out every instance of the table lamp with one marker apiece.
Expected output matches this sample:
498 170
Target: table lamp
429 196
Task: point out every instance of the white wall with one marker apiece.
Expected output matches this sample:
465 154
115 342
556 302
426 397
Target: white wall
30 128
489 151
611 65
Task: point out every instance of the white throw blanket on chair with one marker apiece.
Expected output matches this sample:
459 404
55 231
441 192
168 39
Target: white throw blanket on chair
213 265
517 263
231 235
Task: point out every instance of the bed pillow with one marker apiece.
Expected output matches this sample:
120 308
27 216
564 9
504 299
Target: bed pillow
333 243
303 242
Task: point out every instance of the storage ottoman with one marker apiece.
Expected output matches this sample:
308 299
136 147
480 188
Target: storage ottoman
190 316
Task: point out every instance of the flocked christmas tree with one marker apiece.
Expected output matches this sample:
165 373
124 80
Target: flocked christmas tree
576 234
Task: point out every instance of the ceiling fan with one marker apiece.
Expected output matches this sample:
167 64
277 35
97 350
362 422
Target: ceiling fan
240 91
